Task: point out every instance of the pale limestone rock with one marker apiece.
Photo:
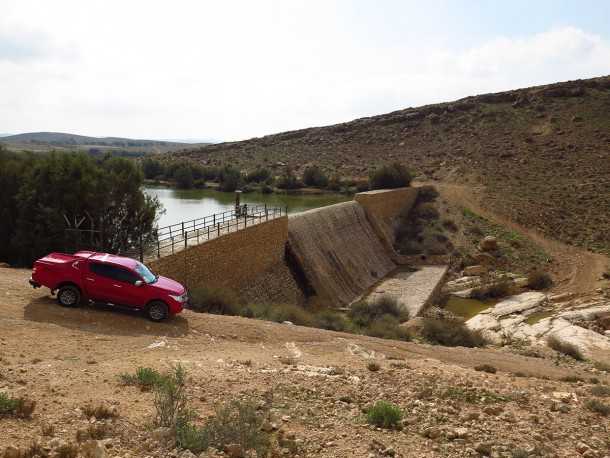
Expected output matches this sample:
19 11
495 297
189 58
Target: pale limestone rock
518 303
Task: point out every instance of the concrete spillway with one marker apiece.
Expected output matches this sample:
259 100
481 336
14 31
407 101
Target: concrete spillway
338 251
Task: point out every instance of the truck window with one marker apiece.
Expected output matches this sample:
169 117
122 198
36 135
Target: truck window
113 272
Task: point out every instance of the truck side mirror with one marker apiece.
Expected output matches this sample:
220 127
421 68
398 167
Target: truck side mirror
138 283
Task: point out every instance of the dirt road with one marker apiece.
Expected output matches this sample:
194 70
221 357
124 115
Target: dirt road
575 270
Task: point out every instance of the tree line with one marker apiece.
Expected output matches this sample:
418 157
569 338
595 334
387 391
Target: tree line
187 175
43 194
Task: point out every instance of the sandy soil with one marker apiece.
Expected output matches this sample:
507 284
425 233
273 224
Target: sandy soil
67 358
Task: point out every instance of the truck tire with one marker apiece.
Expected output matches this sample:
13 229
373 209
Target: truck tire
69 296
157 311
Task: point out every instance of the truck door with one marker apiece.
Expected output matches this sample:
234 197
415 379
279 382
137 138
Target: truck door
117 284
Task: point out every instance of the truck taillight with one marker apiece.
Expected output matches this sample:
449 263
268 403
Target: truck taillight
33 270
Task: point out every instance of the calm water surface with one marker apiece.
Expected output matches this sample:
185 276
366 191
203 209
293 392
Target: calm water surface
184 205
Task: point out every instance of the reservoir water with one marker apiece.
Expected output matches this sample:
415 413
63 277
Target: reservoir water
187 204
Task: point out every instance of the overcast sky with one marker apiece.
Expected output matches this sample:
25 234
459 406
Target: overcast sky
229 70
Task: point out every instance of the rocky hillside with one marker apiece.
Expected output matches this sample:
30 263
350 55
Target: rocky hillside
541 155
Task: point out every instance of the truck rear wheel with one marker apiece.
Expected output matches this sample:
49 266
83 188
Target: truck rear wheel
157 311
69 296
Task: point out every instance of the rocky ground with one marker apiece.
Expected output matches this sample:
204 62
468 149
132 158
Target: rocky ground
540 156
316 384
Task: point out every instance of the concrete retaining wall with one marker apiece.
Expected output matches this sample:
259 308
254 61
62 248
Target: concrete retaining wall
232 261
383 206
338 250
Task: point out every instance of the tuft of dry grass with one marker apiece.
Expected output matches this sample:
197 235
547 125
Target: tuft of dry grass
373 366
565 348
99 411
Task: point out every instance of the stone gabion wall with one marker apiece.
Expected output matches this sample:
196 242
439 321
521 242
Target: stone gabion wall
230 261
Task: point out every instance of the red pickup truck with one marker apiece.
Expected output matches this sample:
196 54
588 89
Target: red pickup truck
110 279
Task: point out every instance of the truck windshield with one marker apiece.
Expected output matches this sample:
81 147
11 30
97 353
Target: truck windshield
145 273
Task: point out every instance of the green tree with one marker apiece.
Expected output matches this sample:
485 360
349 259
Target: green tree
314 176
390 176
57 188
230 179
184 177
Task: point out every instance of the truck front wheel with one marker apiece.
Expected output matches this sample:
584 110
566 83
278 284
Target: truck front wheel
157 311
68 296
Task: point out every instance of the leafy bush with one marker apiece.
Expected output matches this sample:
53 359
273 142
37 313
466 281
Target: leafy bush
314 176
335 183
288 181
539 280
230 179
390 176
565 348
363 313
595 405
16 407
259 175
384 415
145 377
170 398
601 391
427 211
331 320
451 333
235 422
184 177
214 300
387 327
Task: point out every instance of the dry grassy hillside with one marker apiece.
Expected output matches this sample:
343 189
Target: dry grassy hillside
542 154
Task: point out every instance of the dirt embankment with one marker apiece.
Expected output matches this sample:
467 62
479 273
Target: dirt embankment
66 358
542 153
575 270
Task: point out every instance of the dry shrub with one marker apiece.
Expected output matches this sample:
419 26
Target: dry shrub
99 411
565 348
539 280
601 391
373 366
451 333
597 406
485 368
67 451
214 300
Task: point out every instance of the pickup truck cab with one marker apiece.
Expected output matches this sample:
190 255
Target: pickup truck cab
106 278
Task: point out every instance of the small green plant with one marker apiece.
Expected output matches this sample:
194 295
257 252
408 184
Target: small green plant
170 398
451 333
16 407
235 422
565 348
601 391
384 415
597 406
373 366
145 377
485 368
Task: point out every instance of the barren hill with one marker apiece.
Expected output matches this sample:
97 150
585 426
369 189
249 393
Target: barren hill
539 156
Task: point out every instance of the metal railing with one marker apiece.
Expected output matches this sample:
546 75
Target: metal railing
168 240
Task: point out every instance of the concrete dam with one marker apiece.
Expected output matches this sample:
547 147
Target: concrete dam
332 255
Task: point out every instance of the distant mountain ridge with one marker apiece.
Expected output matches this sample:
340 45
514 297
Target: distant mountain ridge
46 141
74 139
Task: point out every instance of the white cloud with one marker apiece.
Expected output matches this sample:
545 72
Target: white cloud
233 70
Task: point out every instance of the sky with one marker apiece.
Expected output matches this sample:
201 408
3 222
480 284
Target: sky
230 70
